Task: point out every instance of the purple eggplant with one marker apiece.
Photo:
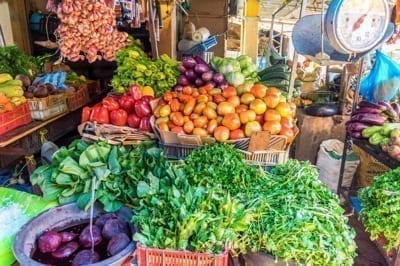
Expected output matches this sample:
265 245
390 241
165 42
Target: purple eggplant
356 134
188 62
356 126
199 60
372 119
371 105
65 250
181 68
393 116
201 68
369 110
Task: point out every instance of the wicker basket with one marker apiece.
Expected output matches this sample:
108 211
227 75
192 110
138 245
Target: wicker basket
160 257
78 99
15 118
114 135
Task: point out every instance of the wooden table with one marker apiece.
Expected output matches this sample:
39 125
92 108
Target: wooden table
27 140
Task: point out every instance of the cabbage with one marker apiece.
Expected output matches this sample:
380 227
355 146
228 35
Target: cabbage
245 61
235 78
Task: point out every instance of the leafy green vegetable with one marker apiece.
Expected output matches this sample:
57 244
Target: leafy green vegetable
381 207
135 67
14 61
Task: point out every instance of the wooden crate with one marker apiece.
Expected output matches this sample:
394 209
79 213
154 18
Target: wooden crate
39 104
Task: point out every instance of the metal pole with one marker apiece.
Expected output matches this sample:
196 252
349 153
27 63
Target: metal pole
347 141
295 55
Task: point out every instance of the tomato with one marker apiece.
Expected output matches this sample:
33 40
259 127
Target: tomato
202 99
274 127
273 91
175 105
118 117
212 125
259 90
184 98
176 118
194 116
215 91
177 130
225 108
287 122
165 110
198 109
247 98
167 96
284 109
221 133
209 113
218 98
272 115
186 118
231 121
258 106
212 105
237 134
260 119
201 122
229 91
188 126
244 88
288 132
252 127
202 90
195 92
235 100
112 104
271 100
201 132
247 116
187 90
163 126
189 106
241 108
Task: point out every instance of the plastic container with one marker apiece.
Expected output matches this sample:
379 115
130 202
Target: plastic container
161 257
13 119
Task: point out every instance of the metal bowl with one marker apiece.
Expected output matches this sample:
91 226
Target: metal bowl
59 218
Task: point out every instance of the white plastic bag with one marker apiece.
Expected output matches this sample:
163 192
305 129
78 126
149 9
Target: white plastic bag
328 164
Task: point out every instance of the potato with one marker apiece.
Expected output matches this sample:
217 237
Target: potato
65 250
85 257
85 237
49 242
117 244
114 226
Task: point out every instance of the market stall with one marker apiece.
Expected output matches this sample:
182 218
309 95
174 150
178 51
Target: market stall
191 162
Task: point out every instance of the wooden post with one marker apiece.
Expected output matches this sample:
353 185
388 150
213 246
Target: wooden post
152 30
168 34
249 40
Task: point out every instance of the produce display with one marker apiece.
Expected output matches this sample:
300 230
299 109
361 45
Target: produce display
88 31
237 71
11 93
135 67
294 216
378 123
227 114
380 208
195 72
108 232
130 109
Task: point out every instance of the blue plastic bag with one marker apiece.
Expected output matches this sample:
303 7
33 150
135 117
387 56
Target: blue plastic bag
383 81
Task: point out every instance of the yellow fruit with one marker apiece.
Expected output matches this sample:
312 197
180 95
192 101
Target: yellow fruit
147 91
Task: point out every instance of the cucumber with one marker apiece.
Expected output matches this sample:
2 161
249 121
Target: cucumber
275 82
274 68
276 75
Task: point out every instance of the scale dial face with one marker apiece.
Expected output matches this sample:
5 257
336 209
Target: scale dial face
357 25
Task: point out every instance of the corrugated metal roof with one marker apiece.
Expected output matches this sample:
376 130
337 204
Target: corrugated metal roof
292 9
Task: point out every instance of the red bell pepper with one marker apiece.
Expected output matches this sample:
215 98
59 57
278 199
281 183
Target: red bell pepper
86 114
110 103
142 108
127 103
99 114
118 117
145 124
133 120
135 92
147 98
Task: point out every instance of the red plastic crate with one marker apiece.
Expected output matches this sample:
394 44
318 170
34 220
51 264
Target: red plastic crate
161 257
21 115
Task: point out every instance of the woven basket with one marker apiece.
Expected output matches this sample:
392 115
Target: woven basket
39 104
78 99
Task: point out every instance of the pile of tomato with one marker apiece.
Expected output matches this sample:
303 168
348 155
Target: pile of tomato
226 114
